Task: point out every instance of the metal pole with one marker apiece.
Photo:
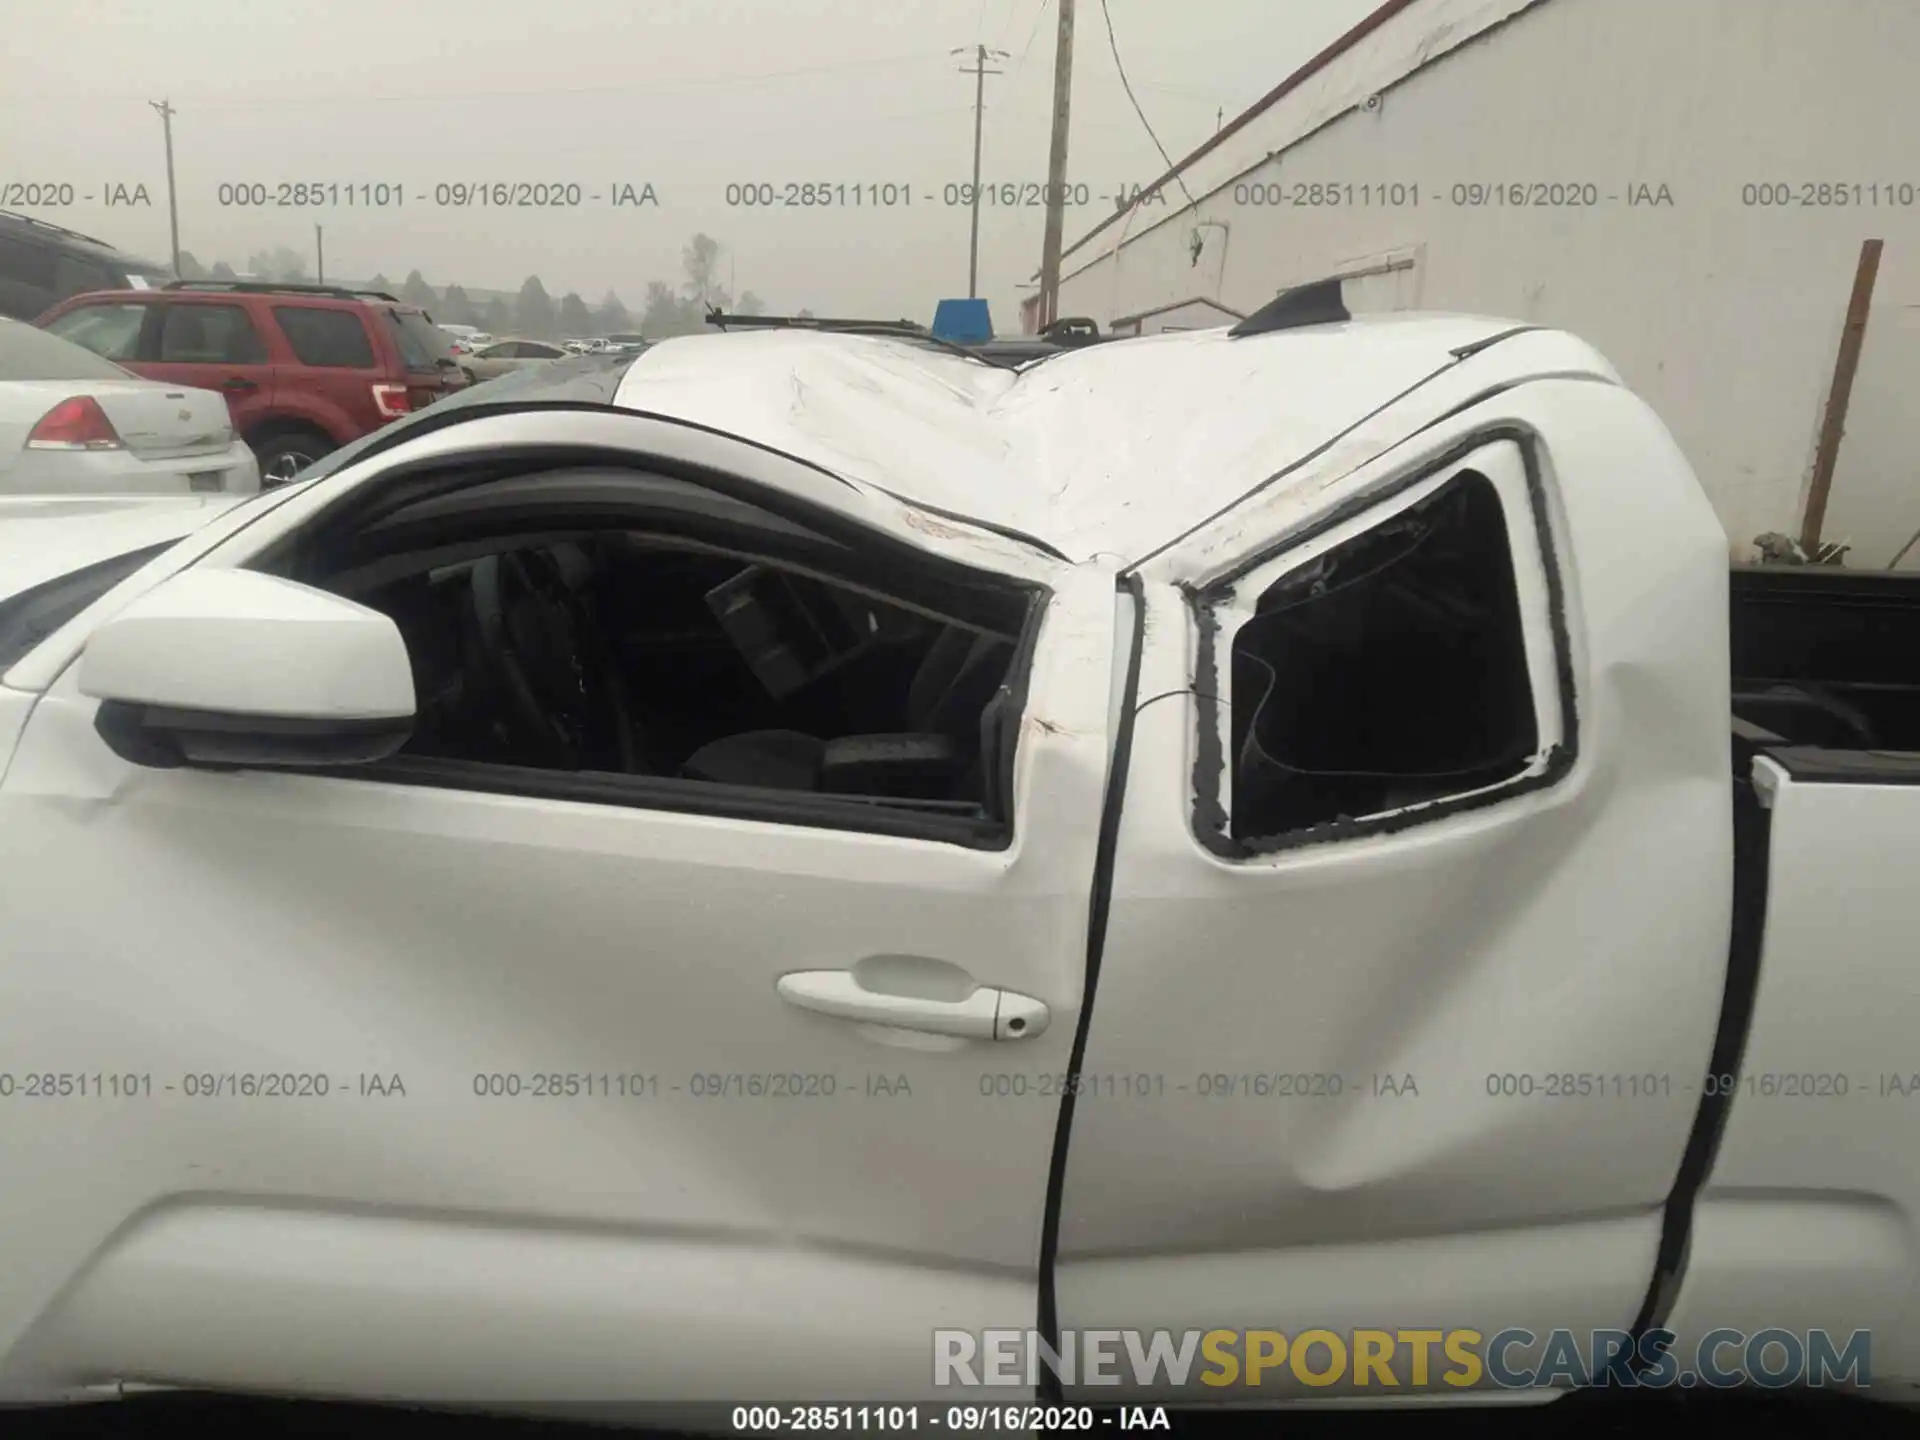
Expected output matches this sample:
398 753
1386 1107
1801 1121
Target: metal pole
1840 394
320 253
165 107
979 71
1057 168
979 102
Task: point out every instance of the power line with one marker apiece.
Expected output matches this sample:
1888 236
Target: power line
1127 85
1038 16
1013 72
1013 11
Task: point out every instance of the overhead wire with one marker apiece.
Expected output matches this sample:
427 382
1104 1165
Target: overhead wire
1013 71
1127 85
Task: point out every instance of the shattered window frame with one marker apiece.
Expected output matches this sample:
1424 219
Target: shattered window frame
1223 607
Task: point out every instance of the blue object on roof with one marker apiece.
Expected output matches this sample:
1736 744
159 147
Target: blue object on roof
965 322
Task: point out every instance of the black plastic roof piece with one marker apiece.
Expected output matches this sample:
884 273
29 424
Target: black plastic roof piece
723 321
1317 303
279 287
36 223
987 352
1073 330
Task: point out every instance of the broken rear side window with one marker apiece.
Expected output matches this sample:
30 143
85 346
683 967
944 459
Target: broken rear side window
1390 672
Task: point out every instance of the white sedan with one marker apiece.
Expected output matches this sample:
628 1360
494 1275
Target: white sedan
73 423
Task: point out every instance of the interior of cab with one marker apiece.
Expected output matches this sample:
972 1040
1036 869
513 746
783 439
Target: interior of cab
1390 672
633 653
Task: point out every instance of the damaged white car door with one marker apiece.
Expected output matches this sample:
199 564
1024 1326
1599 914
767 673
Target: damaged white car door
464 1080
1415 951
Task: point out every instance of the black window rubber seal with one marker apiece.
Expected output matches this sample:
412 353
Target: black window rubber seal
1100 904
671 795
1210 822
1752 847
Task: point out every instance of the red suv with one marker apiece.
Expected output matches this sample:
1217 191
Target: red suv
305 368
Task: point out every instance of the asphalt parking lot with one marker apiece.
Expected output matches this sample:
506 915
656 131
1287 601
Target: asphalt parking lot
1755 1418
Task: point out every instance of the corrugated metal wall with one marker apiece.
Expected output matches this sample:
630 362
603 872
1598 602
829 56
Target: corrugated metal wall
1722 305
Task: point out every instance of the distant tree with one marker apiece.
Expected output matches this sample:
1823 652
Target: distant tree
279 263
221 271
750 304
701 262
803 313
457 309
496 317
190 268
380 282
611 317
669 314
416 291
533 313
574 320
657 311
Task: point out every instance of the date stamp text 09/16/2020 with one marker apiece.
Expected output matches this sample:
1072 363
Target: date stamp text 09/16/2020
1373 193
129 1084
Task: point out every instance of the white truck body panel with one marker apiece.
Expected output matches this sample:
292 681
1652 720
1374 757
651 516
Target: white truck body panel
716 1242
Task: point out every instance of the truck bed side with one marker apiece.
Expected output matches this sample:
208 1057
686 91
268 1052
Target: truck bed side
1809 1216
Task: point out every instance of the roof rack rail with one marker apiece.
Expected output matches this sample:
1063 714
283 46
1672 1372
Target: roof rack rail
723 321
279 287
1319 302
36 221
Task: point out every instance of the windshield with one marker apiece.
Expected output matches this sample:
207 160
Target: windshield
422 343
30 354
29 617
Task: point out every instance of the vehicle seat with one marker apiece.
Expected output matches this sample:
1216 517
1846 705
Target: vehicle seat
189 339
944 700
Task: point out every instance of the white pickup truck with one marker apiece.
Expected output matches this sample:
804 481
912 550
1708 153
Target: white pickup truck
684 876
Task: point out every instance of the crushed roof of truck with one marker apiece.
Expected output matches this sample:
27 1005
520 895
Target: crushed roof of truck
1115 448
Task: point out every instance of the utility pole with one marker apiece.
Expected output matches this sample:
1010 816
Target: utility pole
320 253
1057 168
167 112
1219 119
979 71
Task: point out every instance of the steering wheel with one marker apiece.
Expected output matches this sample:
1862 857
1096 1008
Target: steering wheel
541 648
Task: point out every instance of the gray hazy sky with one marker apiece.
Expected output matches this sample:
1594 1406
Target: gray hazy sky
687 95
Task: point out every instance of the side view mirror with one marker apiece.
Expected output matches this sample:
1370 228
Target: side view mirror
234 668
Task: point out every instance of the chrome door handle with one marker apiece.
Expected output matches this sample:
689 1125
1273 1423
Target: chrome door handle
988 1013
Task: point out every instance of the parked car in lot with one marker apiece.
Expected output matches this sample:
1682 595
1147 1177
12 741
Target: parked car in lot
811 837
73 423
42 264
304 368
626 344
504 356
